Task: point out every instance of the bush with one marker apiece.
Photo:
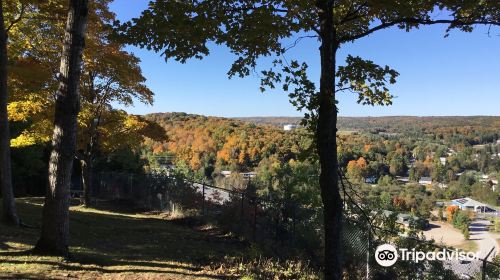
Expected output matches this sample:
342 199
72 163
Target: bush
274 269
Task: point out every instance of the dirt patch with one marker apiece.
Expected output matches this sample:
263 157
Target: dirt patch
444 233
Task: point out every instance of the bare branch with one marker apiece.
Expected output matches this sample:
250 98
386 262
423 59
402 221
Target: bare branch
297 41
384 25
242 9
342 89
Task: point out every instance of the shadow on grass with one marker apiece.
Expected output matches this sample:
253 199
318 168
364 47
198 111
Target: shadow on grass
165 269
22 276
140 244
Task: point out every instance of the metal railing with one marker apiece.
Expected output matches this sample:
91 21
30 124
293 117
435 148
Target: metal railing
285 227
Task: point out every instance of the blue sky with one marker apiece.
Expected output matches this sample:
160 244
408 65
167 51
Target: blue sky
458 75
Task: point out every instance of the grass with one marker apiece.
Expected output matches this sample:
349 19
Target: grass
468 246
117 245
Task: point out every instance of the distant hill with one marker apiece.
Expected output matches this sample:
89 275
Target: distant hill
393 123
202 141
276 121
244 144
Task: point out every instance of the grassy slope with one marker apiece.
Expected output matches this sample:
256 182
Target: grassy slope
115 245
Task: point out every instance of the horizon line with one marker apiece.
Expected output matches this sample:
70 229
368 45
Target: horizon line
341 116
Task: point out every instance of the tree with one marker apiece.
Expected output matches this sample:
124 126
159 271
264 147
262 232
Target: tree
54 236
111 74
256 29
465 232
356 169
397 166
450 212
9 214
440 214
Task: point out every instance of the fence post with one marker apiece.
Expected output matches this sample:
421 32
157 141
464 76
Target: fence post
294 208
254 226
203 201
368 251
485 261
131 179
242 201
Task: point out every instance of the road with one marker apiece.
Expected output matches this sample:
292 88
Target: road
215 195
486 240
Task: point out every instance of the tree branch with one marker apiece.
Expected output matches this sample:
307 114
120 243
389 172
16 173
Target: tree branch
18 19
241 9
342 89
352 15
297 41
384 25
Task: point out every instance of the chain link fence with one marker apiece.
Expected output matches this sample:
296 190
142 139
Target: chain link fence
289 229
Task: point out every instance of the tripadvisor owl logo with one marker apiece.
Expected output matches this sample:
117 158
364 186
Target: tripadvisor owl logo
386 255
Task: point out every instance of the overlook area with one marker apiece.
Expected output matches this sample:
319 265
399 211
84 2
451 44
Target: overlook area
236 139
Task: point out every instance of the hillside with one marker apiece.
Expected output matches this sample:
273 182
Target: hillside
147 247
242 143
203 142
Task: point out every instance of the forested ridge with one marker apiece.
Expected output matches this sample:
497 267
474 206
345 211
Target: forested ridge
241 143
395 123
200 141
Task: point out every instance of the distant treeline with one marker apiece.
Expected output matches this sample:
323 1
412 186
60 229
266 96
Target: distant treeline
394 123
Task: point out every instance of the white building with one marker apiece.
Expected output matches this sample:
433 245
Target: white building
468 203
290 127
425 181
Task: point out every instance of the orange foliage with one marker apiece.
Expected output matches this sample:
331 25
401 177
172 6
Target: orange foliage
367 148
450 211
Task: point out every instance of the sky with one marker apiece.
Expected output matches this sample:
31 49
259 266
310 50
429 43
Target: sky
454 76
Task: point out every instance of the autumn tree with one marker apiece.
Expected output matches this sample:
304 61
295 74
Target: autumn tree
111 75
54 236
9 214
450 212
356 169
257 29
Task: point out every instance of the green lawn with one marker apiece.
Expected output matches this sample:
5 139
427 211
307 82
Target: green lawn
114 245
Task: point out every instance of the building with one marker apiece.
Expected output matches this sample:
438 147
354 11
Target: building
407 220
289 127
403 179
425 181
470 204
249 175
371 180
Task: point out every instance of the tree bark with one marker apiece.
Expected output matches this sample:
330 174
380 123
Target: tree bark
326 139
88 162
87 172
9 215
54 238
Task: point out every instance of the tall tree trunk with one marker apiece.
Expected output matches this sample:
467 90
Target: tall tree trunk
9 204
88 162
87 172
326 137
54 237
